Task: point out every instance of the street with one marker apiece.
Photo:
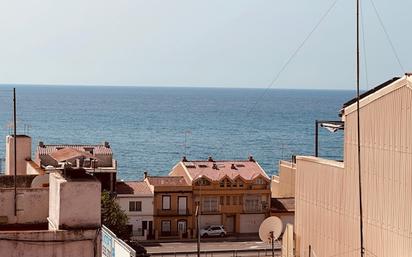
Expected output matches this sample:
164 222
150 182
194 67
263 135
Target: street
222 248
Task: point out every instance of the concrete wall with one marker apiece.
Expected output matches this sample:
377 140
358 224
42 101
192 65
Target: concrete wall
79 243
283 185
74 203
327 196
32 205
23 153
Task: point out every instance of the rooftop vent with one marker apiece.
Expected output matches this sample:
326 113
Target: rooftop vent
106 144
184 159
240 165
202 166
210 159
233 167
190 165
41 144
215 166
251 158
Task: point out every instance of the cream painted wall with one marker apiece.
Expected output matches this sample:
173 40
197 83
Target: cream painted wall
327 196
74 203
23 153
32 205
283 185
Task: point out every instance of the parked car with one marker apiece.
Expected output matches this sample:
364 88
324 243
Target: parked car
213 230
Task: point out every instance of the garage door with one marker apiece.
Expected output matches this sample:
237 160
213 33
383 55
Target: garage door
250 223
206 220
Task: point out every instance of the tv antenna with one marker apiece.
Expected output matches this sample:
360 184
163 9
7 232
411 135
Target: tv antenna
270 230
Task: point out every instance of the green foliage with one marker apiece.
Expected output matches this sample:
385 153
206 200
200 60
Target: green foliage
113 216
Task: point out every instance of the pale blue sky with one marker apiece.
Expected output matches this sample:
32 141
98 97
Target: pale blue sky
217 43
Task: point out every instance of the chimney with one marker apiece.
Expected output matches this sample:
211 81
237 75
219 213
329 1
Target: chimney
214 166
210 159
251 158
233 167
184 159
106 144
145 174
41 144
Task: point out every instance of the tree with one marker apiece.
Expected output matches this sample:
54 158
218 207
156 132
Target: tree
113 216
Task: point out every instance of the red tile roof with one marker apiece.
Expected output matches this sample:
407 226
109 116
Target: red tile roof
69 153
216 170
167 181
132 187
97 149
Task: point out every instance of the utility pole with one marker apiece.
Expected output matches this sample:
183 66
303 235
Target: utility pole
15 150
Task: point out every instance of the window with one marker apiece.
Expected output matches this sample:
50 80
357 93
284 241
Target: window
222 200
166 226
240 182
228 184
166 202
135 206
259 181
210 204
234 200
203 182
227 200
222 183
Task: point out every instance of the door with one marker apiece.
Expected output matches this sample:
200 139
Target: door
182 203
230 224
182 227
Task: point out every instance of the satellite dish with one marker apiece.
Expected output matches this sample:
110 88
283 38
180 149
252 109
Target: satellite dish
270 229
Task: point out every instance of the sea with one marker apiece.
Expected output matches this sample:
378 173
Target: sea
151 128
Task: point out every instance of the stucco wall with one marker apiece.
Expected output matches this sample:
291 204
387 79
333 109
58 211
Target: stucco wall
74 203
32 205
79 243
283 185
23 153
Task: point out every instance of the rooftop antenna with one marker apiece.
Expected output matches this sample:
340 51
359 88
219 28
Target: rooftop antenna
187 132
362 253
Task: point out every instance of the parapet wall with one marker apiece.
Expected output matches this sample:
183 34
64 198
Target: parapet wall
32 205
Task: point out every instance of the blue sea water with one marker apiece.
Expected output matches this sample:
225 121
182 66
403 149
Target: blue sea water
150 129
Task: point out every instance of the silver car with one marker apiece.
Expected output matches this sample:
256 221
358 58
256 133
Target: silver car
213 230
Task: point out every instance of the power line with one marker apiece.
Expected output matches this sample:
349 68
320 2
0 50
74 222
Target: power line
387 35
289 60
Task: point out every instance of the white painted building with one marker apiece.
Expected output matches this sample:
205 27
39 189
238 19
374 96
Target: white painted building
136 199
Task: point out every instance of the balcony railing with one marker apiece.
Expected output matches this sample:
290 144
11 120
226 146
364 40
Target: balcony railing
211 210
253 209
173 212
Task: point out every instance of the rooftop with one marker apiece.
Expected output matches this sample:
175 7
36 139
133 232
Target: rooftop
282 204
132 188
103 149
216 170
69 153
167 181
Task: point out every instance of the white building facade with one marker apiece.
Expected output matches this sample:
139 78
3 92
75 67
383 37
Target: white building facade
136 199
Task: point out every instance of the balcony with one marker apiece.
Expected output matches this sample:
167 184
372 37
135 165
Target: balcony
211 210
173 212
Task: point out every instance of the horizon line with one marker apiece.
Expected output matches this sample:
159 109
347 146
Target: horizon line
166 86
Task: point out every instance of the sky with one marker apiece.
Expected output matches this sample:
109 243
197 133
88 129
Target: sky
213 43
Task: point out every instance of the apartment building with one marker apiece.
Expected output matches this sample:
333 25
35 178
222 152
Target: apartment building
95 159
232 193
327 191
136 199
173 206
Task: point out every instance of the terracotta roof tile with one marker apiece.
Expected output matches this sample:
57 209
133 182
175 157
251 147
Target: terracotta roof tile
216 170
167 181
132 187
69 153
97 149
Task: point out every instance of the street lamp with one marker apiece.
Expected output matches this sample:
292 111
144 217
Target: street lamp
198 213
